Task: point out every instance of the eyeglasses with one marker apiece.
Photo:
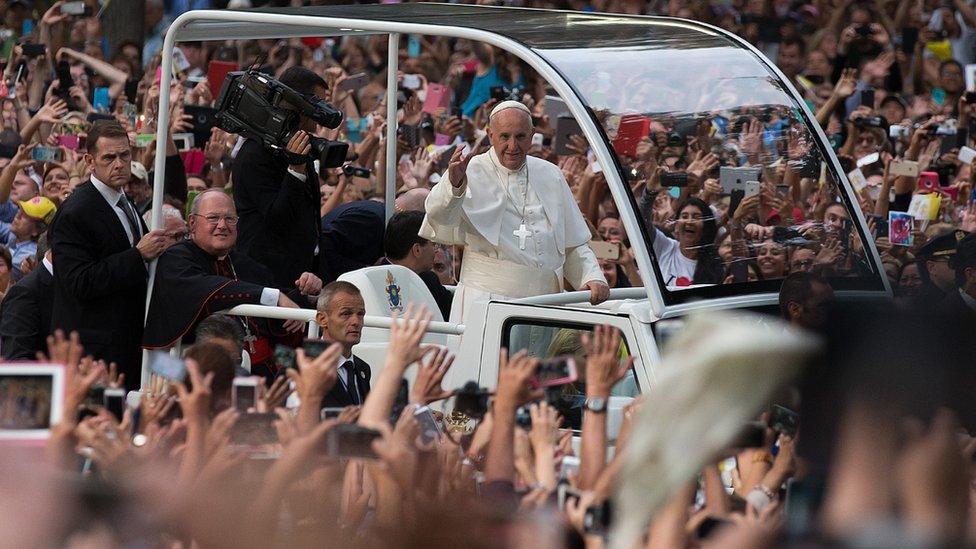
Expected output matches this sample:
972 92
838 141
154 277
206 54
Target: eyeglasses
230 221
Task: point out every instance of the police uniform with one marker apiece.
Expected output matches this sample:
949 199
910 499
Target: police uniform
939 248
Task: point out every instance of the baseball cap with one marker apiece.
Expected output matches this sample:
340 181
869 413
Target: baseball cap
39 208
139 171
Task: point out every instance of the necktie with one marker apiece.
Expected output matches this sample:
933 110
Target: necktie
350 377
129 216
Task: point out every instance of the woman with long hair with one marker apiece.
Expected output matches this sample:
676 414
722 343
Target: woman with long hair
691 257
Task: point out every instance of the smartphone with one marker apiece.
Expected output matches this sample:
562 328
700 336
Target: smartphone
413 45
184 141
314 347
565 127
284 357
445 158
783 420
65 80
880 226
101 100
970 97
354 82
411 81
554 108
907 168
76 8
204 120
167 366
47 154
34 50
732 178
909 37
629 134
568 465
114 401
143 140
245 393
674 179
254 429
551 372
410 134
597 519
438 97
962 137
565 494
938 96
216 74
72 142
329 413
867 98
430 428
349 440
605 250
752 189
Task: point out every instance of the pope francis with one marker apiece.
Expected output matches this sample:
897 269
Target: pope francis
516 217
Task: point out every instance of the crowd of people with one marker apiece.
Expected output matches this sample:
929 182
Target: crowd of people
730 186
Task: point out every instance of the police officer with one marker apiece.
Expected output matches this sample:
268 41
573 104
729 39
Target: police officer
938 277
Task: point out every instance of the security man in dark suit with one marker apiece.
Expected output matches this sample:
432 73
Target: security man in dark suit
25 312
405 247
279 204
100 248
340 316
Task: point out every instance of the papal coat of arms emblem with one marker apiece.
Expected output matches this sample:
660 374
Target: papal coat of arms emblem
393 295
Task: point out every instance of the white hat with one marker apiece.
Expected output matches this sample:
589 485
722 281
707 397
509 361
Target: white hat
139 171
510 104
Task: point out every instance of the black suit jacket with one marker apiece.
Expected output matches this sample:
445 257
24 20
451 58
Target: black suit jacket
352 238
25 315
99 280
279 213
338 397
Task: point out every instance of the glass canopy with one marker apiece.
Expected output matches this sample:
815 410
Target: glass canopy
681 107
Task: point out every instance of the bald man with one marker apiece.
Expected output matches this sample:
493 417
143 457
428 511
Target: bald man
205 274
522 232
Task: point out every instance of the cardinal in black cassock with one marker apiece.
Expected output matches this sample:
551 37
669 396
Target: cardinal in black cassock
204 275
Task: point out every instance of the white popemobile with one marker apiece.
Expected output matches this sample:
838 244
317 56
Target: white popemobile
606 70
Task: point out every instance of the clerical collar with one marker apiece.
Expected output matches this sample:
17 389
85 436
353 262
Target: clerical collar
498 163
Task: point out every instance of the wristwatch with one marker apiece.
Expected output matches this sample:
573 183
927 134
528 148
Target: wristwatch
596 405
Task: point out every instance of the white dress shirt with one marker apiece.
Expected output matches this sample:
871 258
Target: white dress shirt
112 197
347 376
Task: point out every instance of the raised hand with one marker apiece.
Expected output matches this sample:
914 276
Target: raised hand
427 385
406 334
458 166
315 377
603 365
513 379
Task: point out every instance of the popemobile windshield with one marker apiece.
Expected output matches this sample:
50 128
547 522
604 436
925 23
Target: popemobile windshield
698 98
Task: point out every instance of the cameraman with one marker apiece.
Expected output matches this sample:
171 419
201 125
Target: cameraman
277 201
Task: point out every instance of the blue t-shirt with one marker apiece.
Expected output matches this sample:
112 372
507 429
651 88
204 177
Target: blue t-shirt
481 91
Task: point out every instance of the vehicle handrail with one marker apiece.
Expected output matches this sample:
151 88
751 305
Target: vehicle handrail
570 298
308 315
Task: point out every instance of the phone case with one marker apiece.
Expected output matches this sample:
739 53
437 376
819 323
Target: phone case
908 168
629 134
438 96
217 73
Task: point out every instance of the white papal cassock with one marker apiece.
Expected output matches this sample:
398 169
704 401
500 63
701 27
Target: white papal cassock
485 215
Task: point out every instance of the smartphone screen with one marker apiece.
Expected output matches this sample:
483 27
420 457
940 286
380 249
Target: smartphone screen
867 98
430 429
245 397
555 371
314 347
351 441
114 402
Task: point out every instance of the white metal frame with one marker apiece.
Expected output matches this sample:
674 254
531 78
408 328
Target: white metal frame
224 25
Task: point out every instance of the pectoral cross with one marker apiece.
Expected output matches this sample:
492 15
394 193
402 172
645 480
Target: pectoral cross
249 339
522 233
